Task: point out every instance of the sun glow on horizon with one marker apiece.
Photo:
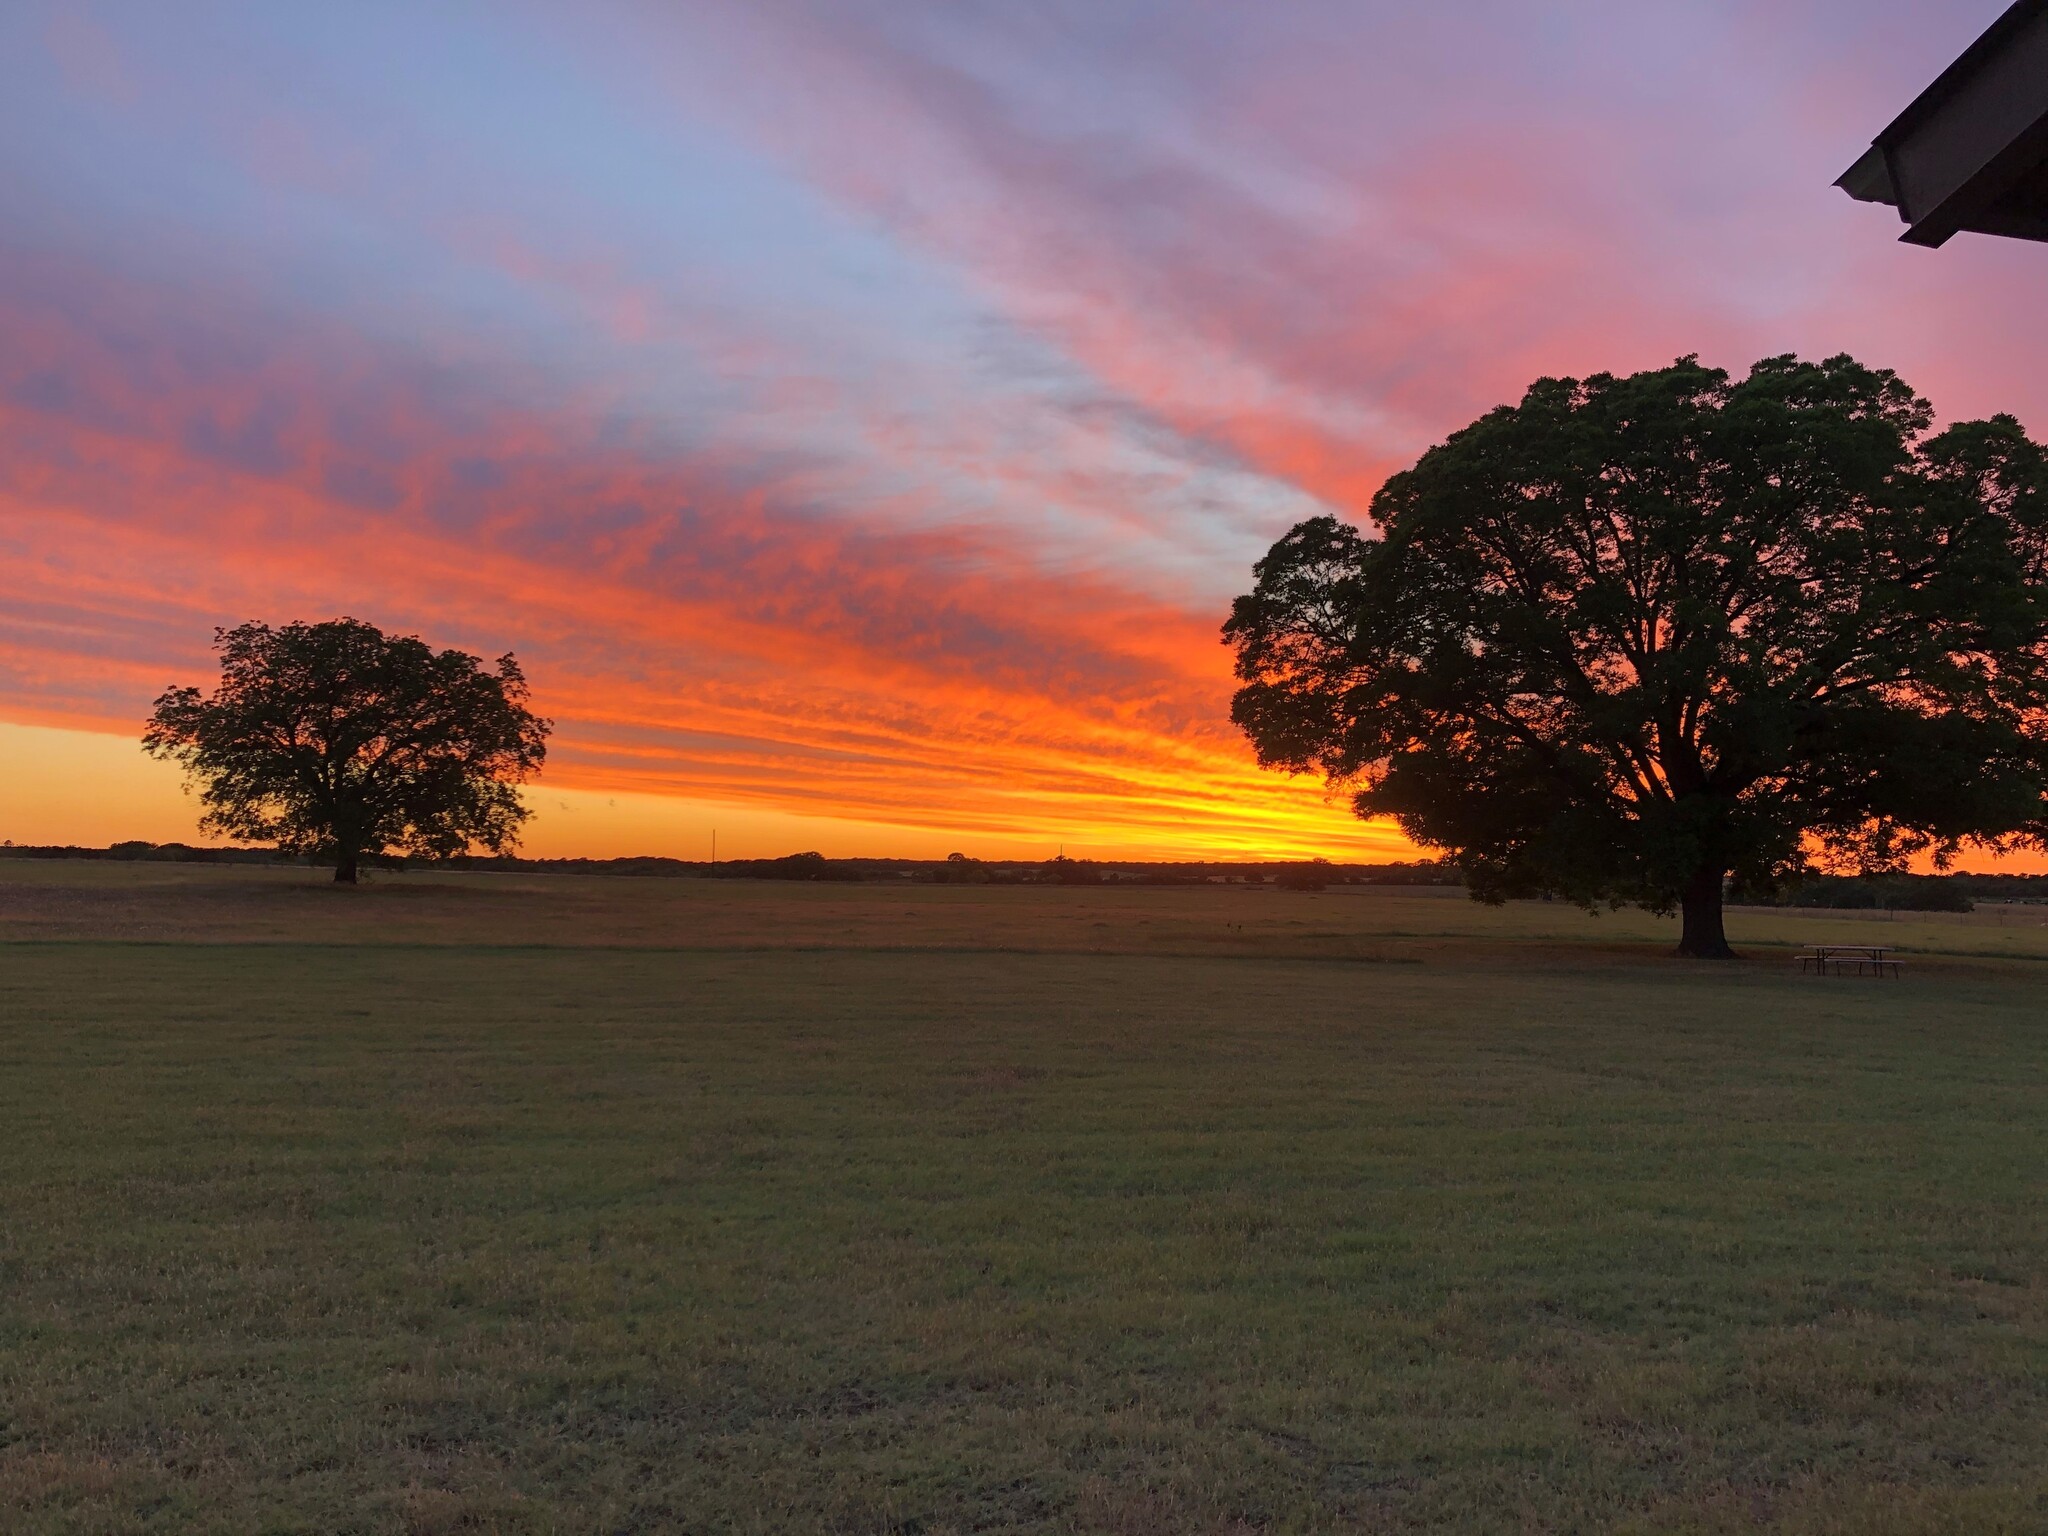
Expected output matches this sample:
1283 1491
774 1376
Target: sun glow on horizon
95 788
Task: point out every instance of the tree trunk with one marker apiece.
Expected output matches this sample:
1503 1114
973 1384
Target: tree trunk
1703 937
345 867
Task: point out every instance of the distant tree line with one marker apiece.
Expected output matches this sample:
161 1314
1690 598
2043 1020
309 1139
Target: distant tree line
1897 893
151 853
812 866
1893 893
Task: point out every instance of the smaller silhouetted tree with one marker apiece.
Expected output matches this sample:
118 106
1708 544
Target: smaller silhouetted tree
959 869
343 742
1312 876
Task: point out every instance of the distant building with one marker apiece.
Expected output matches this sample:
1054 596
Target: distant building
1971 153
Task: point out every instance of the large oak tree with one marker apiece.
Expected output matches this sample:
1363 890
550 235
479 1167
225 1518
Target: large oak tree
1632 635
341 741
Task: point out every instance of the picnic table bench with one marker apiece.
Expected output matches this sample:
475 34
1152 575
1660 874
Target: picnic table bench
1847 959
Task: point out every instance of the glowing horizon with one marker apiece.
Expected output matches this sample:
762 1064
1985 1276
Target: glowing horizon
857 418
93 789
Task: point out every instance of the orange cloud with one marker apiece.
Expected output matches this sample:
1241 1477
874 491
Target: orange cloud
868 409
693 637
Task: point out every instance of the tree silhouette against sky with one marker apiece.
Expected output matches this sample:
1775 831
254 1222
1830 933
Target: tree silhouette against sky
1632 635
341 741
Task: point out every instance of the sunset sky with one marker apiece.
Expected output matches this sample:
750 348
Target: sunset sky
857 415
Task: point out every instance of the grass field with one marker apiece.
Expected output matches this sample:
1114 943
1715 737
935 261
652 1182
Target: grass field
505 1203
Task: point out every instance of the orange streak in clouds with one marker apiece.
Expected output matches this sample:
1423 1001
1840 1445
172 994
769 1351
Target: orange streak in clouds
819 671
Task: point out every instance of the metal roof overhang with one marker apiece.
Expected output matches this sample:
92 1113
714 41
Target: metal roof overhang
1972 152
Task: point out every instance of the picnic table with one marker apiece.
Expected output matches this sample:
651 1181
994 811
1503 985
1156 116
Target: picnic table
1848 959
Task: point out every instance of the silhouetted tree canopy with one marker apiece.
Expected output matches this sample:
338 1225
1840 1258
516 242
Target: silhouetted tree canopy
1312 876
338 740
1635 634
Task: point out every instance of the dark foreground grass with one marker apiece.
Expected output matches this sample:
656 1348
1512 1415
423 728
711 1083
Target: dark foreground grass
328 1239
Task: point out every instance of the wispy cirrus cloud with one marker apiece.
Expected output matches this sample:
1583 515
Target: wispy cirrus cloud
703 620
869 409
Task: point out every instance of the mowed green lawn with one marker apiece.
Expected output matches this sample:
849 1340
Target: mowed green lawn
531 1204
